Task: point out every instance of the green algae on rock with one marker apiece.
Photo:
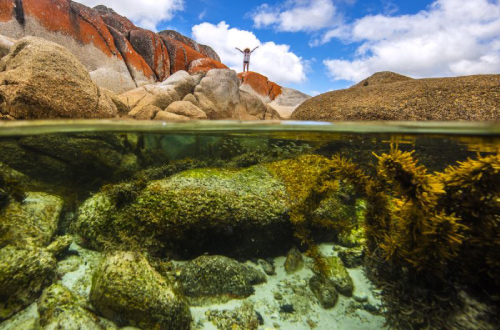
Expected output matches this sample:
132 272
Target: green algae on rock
190 209
294 261
218 278
324 290
60 308
24 272
128 291
32 222
336 272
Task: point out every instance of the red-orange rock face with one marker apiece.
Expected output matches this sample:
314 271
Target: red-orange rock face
6 10
204 65
260 84
155 56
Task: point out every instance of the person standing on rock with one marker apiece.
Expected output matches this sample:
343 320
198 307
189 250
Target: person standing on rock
246 57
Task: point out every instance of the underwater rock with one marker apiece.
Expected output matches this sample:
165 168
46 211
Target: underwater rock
41 79
27 319
191 212
32 222
324 290
79 158
60 308
60 245
336 272
242 318
218 278
128 291
267 267
353 238
352 257
24 272
294 261
5 44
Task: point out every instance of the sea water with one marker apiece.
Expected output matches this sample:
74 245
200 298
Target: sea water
351 225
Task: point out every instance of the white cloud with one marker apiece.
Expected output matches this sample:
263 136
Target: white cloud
144 13
296 15
201 16
275 61
449 38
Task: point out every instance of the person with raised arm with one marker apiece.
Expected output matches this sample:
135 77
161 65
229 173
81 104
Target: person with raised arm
246 57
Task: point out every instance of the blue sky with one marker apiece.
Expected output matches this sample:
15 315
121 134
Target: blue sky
321 45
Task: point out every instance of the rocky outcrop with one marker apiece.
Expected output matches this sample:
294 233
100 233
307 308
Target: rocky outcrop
118 55
389 96
206 95
281 99
127 290
41 79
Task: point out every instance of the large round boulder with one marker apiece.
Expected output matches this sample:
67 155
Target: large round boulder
128 291
41 79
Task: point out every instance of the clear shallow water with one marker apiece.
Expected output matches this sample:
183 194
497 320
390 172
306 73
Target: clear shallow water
416 237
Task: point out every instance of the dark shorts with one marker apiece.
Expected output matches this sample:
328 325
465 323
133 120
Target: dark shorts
246 62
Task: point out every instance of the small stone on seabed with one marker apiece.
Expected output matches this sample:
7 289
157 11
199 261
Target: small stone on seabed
267 267
360 297
294 261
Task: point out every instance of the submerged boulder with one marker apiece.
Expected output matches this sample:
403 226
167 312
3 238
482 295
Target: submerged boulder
127 290
32 222
234 212
41 79
218 278
60 308
190 212
24 273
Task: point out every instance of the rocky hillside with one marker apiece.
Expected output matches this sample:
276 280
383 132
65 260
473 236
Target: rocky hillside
390 96
118 55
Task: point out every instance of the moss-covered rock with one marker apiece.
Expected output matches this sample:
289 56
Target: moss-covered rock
59 308
128 291
324 290
192 211
24 272
218 278
294 261
352 257
30 222
337 273
242 318
27 319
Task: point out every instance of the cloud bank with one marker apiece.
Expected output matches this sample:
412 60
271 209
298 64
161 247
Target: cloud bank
144 13
296 15
449 38
275 61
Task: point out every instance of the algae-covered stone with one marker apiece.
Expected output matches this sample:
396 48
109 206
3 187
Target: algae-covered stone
324 290
241 318
294 261
128 291
32 222
337 273
190 211
352 257
218 277
353 238
24 272
59 308
27 319
60 245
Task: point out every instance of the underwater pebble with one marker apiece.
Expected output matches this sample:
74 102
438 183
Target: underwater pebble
352 257
360 297
294 261
267 267
324 290
278 296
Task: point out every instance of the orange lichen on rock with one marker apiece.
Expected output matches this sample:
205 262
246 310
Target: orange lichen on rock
152 49
6 10
205 64
72 19
260 84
